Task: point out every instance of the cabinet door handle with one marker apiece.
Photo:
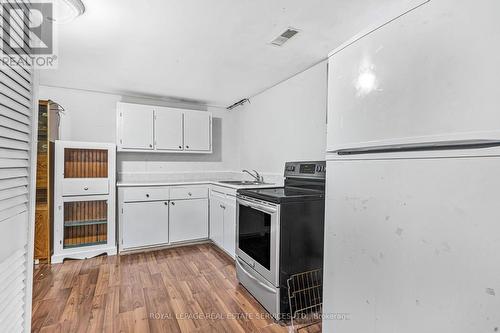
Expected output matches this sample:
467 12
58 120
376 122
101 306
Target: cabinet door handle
190 194
187 147
180 147
150 145
85 188
173 203
147 195
166 203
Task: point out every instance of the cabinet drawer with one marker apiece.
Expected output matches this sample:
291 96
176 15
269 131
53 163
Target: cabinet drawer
145 194
85 186
179 193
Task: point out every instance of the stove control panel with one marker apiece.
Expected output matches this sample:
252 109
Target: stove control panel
305 169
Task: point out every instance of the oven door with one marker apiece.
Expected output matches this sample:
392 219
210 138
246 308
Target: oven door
258 236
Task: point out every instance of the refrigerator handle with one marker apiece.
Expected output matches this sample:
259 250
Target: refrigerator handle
426 146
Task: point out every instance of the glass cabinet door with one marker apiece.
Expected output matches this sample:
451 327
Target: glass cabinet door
85 163
85 223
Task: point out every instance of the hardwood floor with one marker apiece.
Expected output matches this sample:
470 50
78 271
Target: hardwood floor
160 291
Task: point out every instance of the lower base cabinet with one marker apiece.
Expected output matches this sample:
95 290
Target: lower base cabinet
223 220
217 218
161 215
188 220
144 224
230 226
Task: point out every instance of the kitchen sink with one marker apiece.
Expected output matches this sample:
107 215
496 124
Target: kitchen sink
243 182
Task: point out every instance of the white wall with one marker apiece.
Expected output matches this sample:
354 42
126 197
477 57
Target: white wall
286 123
91 116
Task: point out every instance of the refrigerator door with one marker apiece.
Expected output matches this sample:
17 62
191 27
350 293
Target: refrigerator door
429 75
412 245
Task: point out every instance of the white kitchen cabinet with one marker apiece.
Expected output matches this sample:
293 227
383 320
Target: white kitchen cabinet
197 136
144 224
230 226
135 127
169 129
161 215
146 128
188 220
223 219
217 218
84 200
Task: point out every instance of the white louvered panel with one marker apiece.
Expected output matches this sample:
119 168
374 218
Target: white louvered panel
16 210
9 101
14 115
12 202
13 134
13 173
21 72
12 53
16 112
18 96
13 192
14 80
14 86
15 29
13 144
14 95
9 153
13 163
12 183
12 289
13 74
13 124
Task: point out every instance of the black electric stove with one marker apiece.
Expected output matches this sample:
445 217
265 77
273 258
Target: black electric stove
303 181
280 232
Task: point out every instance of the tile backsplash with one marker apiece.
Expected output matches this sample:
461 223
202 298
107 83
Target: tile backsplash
194 177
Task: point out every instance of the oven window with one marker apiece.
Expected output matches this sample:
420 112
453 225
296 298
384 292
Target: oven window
254 235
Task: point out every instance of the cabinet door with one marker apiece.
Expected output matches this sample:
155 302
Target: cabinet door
230 226
168 129
136 123
188 220
144 224
216 220
197 131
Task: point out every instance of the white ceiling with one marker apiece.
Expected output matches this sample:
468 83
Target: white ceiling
211 51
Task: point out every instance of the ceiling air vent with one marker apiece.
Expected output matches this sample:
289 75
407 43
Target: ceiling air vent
284 37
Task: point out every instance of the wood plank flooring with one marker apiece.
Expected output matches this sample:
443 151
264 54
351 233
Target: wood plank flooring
184 289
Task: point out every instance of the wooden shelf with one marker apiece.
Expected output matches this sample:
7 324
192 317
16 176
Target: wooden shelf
72 246
84 222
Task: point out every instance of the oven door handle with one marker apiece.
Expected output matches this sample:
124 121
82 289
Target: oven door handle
257 207
263 285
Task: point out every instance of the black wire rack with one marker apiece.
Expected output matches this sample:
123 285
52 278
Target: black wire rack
305 296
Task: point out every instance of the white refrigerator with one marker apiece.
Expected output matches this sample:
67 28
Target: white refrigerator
412 238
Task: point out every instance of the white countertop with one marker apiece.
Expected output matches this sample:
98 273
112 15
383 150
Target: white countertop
198 182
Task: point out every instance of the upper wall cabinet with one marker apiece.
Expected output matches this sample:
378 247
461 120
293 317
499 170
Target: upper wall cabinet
169 129
135 126
162 129
197 131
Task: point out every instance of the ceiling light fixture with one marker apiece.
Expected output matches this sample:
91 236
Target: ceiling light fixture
67 10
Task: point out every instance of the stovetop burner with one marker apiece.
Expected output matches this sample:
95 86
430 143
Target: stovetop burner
282 194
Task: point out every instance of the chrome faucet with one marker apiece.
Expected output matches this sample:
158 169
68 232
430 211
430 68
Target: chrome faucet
257 176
